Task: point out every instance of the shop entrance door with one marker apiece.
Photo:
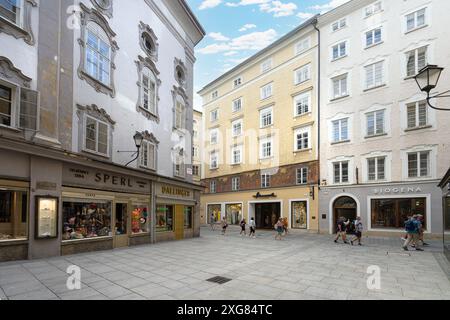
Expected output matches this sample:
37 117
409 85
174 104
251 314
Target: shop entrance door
179 222
267 215
346 208
121 226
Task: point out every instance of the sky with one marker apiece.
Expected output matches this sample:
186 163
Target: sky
237 29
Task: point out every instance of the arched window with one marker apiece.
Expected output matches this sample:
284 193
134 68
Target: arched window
98 54
148 92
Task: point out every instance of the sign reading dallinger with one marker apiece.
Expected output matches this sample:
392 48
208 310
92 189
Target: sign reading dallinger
169 191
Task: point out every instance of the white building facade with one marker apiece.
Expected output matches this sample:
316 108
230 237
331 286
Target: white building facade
383 150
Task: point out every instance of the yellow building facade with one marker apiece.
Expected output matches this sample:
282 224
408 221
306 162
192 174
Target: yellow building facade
260 137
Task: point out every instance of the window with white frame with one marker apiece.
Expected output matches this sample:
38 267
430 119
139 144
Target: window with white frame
11 10
237 82
18 107
338 25
148 91
341 172
195 152
374 75
96 136
236 155
148 155
302 175
179 165
339 50
416 20
302 139
237 128
237 105
213 187
417 114
180 114
214 115
376 169
340 130
302 74
235 184
98 54
214 160
302 104
266 91
416 60
340 86
266 65
266 117
214 95
196 170
375 123
373 37
214 136
265 180
302 46
373 9
266 148
419 164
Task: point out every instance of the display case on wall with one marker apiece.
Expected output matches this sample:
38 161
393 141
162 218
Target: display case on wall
46 217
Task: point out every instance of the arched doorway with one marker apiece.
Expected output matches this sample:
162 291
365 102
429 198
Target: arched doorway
345 207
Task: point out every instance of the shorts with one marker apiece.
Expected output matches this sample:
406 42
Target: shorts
252 230
358 234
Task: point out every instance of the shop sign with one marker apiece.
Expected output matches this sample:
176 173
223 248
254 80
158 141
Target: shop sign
398 190
174 192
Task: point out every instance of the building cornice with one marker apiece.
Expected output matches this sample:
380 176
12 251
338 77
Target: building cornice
342 11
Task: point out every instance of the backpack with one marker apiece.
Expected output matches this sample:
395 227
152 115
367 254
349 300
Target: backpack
410 226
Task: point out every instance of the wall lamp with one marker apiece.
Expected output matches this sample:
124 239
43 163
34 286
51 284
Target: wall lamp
138 138
427 79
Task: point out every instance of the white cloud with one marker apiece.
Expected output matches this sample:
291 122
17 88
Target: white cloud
230 53
207 4
217 36
279 9
305 15
245 3
247 27
330 5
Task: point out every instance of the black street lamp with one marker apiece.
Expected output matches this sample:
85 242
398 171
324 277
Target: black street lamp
138 138
427 80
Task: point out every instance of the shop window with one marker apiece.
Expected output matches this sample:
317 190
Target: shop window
164 218
13 215
188 217
83 219
140 219
447 213
299 215
392 213
234 213
214 212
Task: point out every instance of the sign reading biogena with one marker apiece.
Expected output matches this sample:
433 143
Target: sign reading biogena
399 190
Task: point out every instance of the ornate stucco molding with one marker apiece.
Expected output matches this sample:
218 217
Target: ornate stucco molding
104 6
180 72
11 74
149 136
24 31
96 112
147 33
142 63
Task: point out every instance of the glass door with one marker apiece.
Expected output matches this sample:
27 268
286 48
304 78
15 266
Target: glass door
121 225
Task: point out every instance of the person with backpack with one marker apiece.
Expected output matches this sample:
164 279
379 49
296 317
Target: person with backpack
421 220
252 226
412 227
243 224
342 230
279 227
358 231
224 225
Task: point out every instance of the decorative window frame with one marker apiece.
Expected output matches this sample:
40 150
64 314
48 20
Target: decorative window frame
387 166
142 63
351 170
24 30
10 73
107 9
177 153
180 66
179 92
91 15
433 149
150 138
145 28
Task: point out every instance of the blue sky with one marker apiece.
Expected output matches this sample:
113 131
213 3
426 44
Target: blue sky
237 29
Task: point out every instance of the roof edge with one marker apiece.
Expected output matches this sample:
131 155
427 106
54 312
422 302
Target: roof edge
192 17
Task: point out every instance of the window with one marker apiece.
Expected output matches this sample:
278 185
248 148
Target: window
303 74
341 172
237 105
339 50
302 46
265 180
214 135
195 152
375 123
340 86
237 82
338 25
416 20
266 91
196 171
180 114
373 37
140 222
13 214
415 61
373 9
237 128
214 115
340 130
392 213
11 10
98 54
179 164
235 183
417 114
188 215
302 139
236 155
96 136
266 65
376 169
419 164
212 187
302 104
215 95
265 149
302 175
164 218
6 105
148 155
300 215
374 75
214 160
148 92
233 213
266 117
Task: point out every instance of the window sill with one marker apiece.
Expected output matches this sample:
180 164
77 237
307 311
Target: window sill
148 114
340 142
376 136
14 129
264 99
296 84
75 241
104 156
213 169
147 169
374 88
339 58
16 31
97 84
373 45
417 28
302 151
236 164
409 78
307 114
339 98
12 242
418 128
267 127
266 159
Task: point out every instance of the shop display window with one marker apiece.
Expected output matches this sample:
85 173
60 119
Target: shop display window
140 219
164 218
84 219
13 215
216 211
234 213
188 215
392 213
299 215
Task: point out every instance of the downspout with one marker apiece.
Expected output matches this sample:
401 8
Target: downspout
318 117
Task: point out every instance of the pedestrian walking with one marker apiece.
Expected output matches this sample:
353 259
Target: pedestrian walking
412 227
342 230
279 227
286 226
358 231
252 226
212 221
421 220
224 226
243 225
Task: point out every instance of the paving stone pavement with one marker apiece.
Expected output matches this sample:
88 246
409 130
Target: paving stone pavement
301 267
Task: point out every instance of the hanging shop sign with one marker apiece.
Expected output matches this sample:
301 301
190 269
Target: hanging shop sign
259 195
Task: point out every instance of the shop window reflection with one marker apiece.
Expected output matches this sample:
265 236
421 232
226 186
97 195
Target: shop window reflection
234 213
13 215
392 213
140 219
164 218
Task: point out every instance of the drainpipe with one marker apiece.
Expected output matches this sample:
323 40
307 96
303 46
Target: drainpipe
318 117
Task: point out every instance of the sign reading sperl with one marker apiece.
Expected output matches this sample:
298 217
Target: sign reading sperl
398 190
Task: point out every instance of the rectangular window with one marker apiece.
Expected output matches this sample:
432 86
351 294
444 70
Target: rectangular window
341 173
373 9
13 215
96 139
338 25
188 216
236 155
302 46
416 20
266 65
419 164
148 155
179 165
237 82
340 130
415 61
180 117
148 91
376 169
302 139
373 37
375 123
23 113
214 95
303 74
392 213
265 180
235 184
11 10
6 106
214 160
214 115
212 187
196 171
266 117
302 104
237 128
266 91
237 105
164 218
302 175
417 114
214 136
98 56
374 75
339 50
300 215
340 87
266 149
